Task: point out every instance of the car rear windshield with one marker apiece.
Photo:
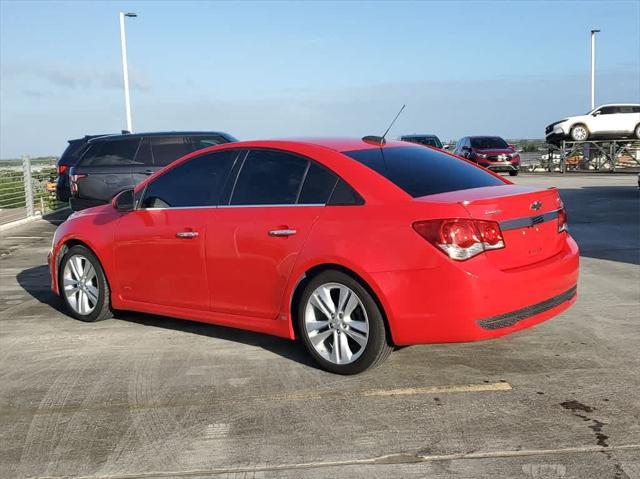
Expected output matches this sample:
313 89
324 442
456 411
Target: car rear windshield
488 143
422 171
73 152
424 140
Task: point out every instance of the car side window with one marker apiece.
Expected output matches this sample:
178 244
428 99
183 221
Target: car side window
200 142
143 156
608 110
167 149
269 177
196 182
318 185
344 195
111 153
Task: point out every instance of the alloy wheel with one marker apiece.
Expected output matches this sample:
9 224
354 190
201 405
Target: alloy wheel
580 133
80 284
336 323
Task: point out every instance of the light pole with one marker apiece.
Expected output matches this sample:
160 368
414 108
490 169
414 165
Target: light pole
125 69
593 68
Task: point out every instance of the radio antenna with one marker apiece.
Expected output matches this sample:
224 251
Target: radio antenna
394 120
380 140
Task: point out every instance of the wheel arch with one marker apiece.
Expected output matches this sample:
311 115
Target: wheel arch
66 246
314 271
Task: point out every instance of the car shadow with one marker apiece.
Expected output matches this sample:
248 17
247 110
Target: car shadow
36 280
58 216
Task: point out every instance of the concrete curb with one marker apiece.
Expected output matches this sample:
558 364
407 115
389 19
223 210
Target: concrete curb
23 221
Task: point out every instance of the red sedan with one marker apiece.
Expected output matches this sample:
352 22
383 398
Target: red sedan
354 246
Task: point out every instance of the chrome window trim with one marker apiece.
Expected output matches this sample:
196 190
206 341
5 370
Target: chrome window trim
272 206
227 206
528 221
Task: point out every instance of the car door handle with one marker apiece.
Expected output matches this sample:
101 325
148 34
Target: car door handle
282 232
187 234
147 172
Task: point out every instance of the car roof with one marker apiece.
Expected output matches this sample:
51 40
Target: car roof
88 137
618 104
484 136
336 144
161 133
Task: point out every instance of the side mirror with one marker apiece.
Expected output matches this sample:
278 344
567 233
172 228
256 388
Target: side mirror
124 201
596 113
466 148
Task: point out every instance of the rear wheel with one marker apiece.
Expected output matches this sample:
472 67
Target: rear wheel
341 325
579 133
513 172
83 286
637 131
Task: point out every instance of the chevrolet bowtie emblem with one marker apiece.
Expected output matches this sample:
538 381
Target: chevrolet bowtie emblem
536 205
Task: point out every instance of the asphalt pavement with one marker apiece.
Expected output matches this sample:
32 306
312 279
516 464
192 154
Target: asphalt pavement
143 396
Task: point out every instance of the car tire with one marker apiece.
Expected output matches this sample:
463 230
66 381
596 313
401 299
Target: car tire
341 325
514 172
637 131
579 133
83 286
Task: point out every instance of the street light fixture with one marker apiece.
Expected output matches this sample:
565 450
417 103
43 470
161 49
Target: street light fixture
593 68
125 69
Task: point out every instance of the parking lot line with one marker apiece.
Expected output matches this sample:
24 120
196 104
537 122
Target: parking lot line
464 388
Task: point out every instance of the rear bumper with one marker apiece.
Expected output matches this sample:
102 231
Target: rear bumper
474 300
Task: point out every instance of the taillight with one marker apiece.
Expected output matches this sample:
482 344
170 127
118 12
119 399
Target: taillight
562 220
62 168
73 184
461 238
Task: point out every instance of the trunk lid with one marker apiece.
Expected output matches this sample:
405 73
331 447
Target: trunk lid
527 217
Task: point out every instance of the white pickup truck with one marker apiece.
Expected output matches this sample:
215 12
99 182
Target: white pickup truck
606 122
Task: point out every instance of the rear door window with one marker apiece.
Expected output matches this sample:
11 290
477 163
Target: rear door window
167 149
112 153
318 185
422 171
269 178
196 182
200 142
344 195
144 157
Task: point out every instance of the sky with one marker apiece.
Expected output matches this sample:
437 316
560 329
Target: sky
288 69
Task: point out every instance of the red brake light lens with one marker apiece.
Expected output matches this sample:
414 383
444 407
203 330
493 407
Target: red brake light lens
461 238
562 220
62 168
73 184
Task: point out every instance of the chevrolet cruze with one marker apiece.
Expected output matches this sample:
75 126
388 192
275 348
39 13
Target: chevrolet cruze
353 246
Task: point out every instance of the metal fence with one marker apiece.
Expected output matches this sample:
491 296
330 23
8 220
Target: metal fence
585 156
27 189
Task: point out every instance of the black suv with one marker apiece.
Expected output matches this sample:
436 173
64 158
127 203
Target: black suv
425 139
69 158
113 163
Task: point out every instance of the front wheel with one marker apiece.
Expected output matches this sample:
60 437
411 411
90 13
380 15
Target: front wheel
579 133
83 286
637 131
341 325
513 172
